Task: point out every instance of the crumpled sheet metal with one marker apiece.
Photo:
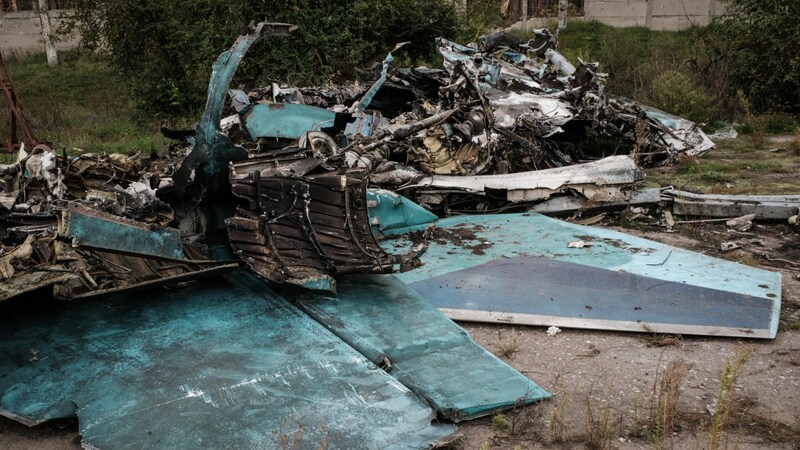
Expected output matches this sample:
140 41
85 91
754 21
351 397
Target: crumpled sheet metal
85 253
304 230
500 108
213 150
229 364
607 173
532 88
681 135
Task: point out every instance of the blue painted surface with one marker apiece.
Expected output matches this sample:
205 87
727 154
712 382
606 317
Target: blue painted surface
431 355
110 235
511 235
391 214
224 364
543 286
364 123
212 150
507 235
285 120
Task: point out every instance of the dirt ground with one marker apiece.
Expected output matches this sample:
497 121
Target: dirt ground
605 382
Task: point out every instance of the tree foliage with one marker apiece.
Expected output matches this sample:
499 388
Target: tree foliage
761 40
165 48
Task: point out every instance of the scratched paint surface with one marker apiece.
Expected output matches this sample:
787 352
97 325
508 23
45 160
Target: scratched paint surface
543 291
467 242
433 356
108 234
286 120
220 365
506 235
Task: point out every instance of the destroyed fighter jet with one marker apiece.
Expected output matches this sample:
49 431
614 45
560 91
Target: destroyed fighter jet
322 193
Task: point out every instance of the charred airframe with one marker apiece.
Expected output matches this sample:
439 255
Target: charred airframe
303 186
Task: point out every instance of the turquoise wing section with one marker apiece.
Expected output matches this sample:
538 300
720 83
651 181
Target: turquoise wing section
434 357
391 214
482 257
122 235
224 364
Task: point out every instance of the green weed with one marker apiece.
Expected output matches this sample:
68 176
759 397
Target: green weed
500 421
717 432
82 104
664 407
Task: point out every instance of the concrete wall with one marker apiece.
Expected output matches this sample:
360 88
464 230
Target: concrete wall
22 32
654 14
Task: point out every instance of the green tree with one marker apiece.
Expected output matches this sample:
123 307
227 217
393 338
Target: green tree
761 38
165 48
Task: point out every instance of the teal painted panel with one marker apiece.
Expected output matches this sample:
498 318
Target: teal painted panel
430 354
116 236
285 120
224 364
505 235
546 292
465 242
391 214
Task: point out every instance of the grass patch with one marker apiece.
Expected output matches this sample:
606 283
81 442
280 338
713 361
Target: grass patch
734 167
500 421
600 426
664 406
82 104
507 348
790 317
718 431
774 123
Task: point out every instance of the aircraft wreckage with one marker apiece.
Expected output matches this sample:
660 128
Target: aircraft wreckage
322 193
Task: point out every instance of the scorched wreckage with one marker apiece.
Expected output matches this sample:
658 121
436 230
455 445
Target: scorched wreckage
318 191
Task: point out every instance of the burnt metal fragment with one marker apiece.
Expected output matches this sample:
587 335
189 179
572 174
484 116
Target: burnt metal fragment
305 230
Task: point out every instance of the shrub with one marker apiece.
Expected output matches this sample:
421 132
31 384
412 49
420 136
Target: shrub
673 91
165 49
760 38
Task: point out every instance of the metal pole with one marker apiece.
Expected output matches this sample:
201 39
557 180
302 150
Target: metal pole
17 118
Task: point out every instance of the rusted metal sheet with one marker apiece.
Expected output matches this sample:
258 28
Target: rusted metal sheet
304 230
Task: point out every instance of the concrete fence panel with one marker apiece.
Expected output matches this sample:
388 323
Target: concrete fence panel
21 31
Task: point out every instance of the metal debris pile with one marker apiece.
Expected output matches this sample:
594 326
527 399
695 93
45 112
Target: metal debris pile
504 126
500 107
89 225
